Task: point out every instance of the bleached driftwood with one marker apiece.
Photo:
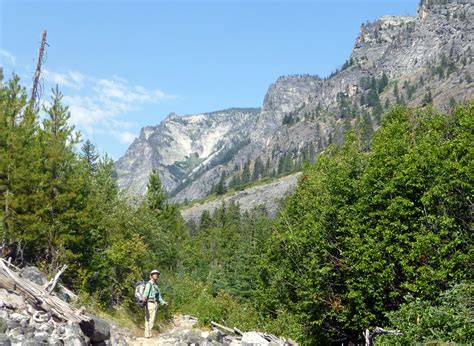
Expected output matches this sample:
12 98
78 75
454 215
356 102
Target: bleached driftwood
223 328
52 283
370 336
39 297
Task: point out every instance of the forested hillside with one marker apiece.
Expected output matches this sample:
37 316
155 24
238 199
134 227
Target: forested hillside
377 233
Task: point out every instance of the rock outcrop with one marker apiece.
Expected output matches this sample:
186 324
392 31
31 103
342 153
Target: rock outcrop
266 195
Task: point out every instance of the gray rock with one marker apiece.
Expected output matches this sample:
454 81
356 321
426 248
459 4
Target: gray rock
193 337
12 324
97 330
11 300
4 340
34 275
46 328
75 341
216 335
3 325
54 341
73 335
41 337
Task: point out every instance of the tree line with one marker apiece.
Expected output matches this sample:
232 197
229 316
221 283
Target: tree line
377 233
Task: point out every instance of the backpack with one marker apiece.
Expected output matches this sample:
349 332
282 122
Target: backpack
139 290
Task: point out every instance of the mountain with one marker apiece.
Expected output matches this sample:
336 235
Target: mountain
415 60
184 148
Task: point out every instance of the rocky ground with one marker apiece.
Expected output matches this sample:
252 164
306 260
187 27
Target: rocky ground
183 332
22 324
266 194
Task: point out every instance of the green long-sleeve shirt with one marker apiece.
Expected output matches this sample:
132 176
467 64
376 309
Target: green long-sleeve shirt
152 291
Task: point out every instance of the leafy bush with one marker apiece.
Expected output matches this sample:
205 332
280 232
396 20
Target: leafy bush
447 319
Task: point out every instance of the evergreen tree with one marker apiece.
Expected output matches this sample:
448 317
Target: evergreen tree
156 195
258 169
20 167
62 184
246 173
268 168
220 187
90 155
383 82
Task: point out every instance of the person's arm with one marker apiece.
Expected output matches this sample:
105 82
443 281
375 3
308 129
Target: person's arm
160 298
146 291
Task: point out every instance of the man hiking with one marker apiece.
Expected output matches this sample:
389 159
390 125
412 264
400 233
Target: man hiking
152 297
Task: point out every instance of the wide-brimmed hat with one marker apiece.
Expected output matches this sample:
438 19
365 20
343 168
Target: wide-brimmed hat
154 271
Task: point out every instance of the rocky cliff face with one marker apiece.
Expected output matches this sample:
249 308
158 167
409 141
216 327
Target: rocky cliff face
410 60
183 148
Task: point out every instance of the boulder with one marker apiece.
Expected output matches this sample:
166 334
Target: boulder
73 340
11 300
54 341
97 330
216 335
5 340
254 338
3 325
47 328
33 274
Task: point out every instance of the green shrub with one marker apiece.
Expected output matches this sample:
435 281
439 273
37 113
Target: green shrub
448 319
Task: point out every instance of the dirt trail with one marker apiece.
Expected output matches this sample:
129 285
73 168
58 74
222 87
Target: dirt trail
181 333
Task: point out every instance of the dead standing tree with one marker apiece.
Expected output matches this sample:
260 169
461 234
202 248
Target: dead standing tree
36 80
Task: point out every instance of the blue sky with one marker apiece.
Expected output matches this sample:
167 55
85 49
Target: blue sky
124 64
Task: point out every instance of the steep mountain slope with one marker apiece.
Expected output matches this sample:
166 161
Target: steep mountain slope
409 60
183 148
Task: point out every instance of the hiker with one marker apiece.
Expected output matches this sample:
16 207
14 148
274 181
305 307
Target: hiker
152 297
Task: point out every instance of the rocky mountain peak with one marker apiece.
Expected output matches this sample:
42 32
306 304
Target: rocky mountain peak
146 132
445 7
396 59
172 116
287 91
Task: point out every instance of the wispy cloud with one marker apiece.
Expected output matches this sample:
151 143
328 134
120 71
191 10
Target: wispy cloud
70 79
96 104
7 57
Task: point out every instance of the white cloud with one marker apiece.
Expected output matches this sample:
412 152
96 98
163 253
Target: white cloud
7 57
118 88
71 79
96 104
125 137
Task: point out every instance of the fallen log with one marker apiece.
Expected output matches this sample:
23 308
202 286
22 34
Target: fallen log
224 328
370 336
39 297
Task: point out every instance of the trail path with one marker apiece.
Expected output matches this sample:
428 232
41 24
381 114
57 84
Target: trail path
183 333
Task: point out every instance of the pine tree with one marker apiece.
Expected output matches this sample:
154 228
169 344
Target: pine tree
246 173
62 184
220 187
90 155
258 169
155 195
19 164
383 82
268 168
